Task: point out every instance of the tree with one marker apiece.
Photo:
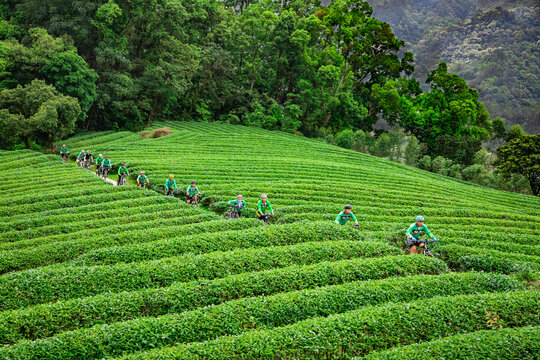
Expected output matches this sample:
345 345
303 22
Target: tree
412 151
54 60
345 139
451 108
514 132
521 156
37 112
70 74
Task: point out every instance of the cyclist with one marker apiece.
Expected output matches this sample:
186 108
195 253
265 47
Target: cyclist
122 171
239 204
142 180
80 157
88 159
345 215
170 184
190 193
99 162
264 208
106 165
414 232
64 152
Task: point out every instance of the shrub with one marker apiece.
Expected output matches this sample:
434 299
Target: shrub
412 151
519 343
234 317
47 319
359 332
345 139
425 163
54 283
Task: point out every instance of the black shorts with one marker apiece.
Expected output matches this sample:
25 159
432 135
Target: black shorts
190 197
411 243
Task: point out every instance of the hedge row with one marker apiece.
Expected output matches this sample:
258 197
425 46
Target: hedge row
45 320
135 215
112 194
519 343
234 317
67 250
359 332
223 241
93 211
137 232
465 258
504 246
42 285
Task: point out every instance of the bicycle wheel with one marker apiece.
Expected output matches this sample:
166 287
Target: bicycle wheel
427 252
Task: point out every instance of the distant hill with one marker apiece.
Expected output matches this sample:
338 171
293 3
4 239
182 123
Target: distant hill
494 45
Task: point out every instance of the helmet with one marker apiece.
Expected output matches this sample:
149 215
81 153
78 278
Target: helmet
142 172
264 196
420 218
100 155
82 150
171 176
348 207
106 156
89 151
239 196
193 182
123 164
63 145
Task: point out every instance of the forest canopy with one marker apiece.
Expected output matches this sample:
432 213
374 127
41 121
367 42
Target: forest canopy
296 66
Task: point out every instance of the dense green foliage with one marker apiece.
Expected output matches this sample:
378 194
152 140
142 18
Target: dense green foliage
359 332
521 343
90 270
521 156
293 66
491 44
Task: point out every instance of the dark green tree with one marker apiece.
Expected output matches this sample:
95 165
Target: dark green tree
37 112
521 156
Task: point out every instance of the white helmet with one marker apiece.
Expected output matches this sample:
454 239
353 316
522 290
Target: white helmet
264 196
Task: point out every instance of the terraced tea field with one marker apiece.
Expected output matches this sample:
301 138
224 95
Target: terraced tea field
91 271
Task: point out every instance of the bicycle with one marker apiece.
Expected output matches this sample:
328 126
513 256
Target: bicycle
98 170
122 180
193 199
105 171
234 214
64 156
424 249
87 164
169 192
265 218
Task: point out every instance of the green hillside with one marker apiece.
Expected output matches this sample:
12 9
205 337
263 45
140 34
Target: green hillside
492 44
90 270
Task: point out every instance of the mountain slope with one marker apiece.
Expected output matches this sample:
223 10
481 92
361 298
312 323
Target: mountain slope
89 270
492 44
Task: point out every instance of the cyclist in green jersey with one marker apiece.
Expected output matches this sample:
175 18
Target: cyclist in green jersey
414 232
106 165
142 180
264 208
190 192
64 152
122 171
170 184
239 204
344 216
80 158
99 163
